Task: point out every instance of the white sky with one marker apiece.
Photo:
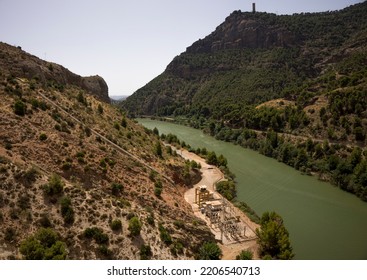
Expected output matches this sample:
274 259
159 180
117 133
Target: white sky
127 42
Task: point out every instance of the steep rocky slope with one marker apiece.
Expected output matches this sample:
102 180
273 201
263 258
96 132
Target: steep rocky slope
77 165
18 63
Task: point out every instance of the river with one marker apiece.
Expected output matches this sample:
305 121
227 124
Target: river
323 221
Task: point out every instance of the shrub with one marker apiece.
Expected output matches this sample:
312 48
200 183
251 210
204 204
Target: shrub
116 126
209 251
20 108
150 219
67 211
105 251
55 186
134 226
116 225
164 235
66 166
44 221
30 175
100 109
101 238
227 189
10 234
177 248
145 252
43 245
124 122
89 232
24 201
8 146
35 103
116 189
245 255
157 191
43 137
158 149
81 98
97 234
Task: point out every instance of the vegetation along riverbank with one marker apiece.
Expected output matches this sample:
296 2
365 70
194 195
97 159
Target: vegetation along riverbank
272 241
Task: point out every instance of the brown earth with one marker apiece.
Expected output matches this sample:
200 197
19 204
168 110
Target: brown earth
210 176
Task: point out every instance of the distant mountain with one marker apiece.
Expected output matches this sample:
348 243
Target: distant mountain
292 87
118 98
77 174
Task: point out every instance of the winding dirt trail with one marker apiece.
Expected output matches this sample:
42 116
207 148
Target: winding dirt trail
210 176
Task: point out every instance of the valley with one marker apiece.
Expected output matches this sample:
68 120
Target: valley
281 99
324 222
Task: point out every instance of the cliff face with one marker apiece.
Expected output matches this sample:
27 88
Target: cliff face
14 61
243 30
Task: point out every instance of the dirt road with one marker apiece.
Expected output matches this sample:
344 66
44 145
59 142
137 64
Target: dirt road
210 176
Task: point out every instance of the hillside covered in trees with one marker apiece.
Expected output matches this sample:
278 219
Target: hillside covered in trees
293 87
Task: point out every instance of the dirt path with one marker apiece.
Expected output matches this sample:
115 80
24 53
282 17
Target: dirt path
210 176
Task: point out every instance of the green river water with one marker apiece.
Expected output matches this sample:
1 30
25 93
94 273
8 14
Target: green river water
323 221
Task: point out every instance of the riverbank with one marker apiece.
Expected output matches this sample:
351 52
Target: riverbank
230 245
317 215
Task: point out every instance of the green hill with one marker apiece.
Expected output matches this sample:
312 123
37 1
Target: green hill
302 77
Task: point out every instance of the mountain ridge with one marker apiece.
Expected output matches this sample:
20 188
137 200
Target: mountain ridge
264 54
19 63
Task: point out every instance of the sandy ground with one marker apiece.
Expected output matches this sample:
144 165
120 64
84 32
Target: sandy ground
230 246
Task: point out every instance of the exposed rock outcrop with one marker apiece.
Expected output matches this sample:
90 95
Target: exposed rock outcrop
14 61
244 30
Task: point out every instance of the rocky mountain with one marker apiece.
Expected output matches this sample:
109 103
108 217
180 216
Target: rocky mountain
245 30
292 87
79 180
252 58
18 63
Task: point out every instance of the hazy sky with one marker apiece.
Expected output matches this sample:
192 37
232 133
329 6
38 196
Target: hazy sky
126 42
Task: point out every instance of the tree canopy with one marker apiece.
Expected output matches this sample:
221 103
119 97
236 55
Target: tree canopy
43 245
274 238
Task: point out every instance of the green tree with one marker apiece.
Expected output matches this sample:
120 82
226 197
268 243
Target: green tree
245 255
209 251
222 161
134 226
273 237
212 158
67 211
100 109
116 225
55 185
158 149
227 189
116 188
164 235
43 137
81 98
145 252
359 133
123 122
20 108
43 245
